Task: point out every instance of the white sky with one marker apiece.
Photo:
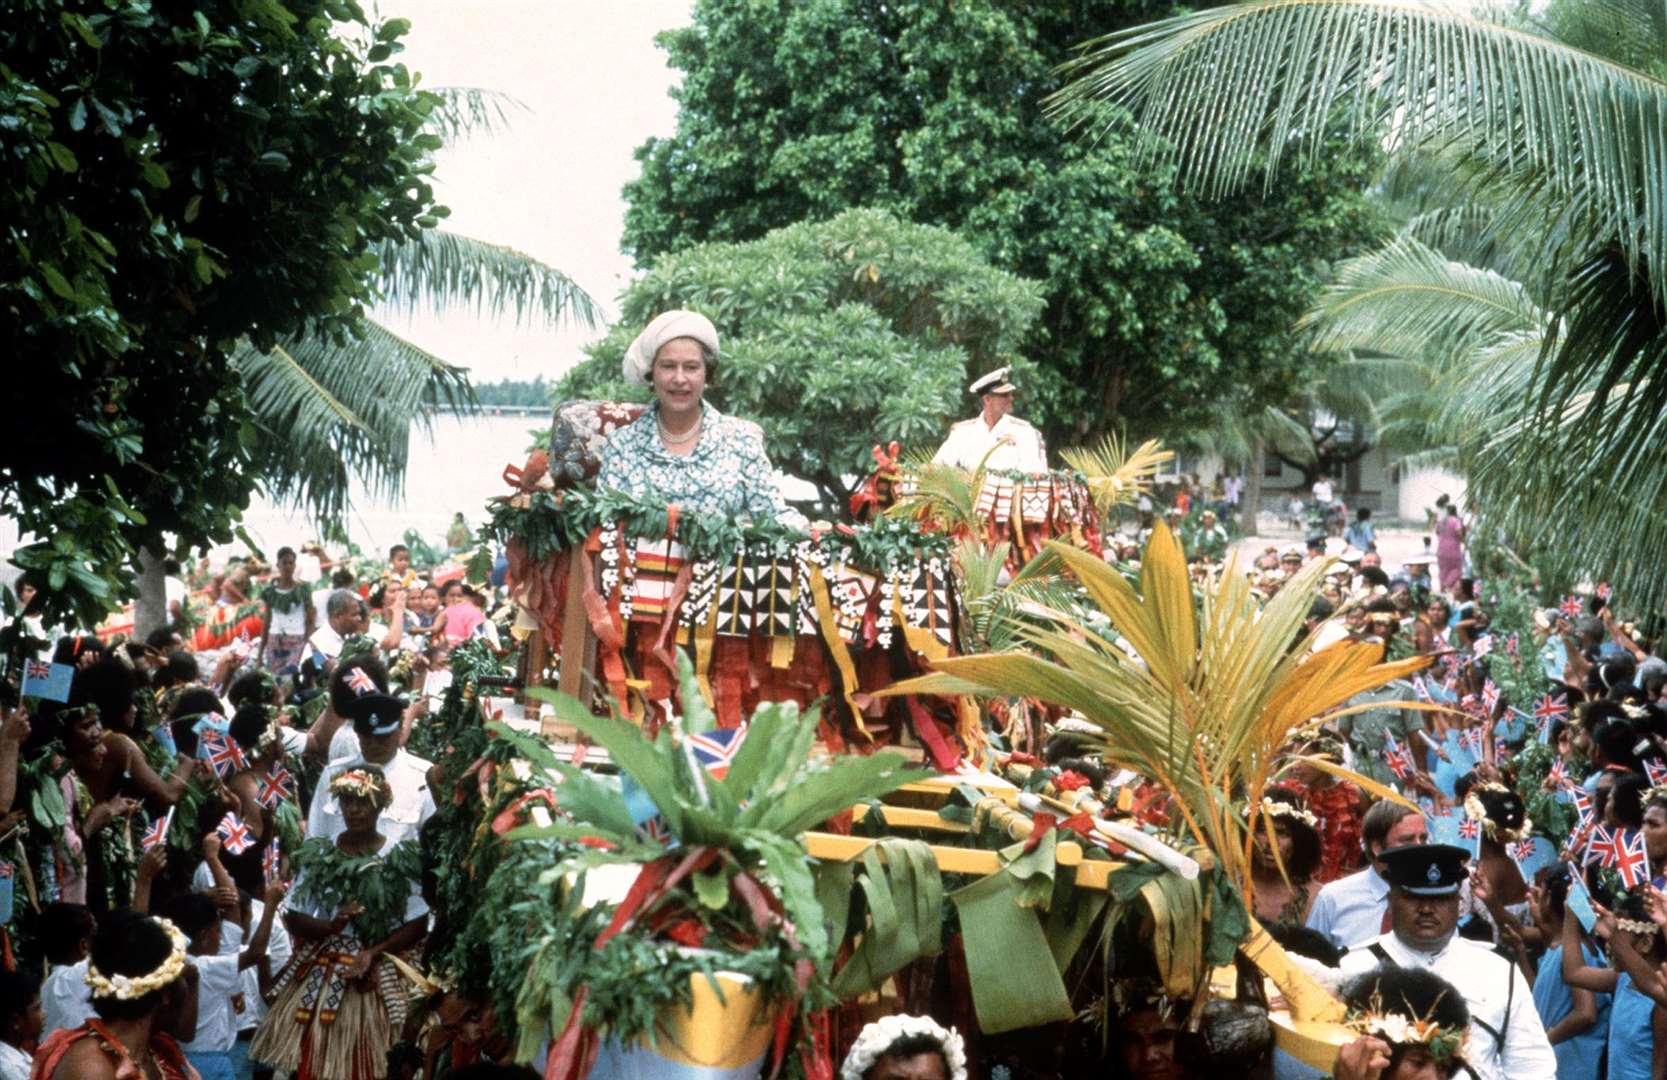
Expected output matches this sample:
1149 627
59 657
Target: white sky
596 87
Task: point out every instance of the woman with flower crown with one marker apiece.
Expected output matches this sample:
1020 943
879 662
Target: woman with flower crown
355 904
1285 884
145 994
1413 1025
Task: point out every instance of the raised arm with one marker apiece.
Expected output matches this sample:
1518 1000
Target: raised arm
1576 971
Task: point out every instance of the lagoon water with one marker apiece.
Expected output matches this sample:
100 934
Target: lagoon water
457 465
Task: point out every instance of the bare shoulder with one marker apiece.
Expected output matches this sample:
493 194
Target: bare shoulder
84 1061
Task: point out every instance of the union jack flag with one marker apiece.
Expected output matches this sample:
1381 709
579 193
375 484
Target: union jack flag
1656 770
275 786
1582 803
1396 757
1521 851
1550 708
1471 739
359 682
1470 830
1559 774
1570 606
1601 847
1578 839
269 865
716 749
1632 859
1513 646
157 834
1484 646
1490 696
1604 591
221 753
6 870
37 669
235 836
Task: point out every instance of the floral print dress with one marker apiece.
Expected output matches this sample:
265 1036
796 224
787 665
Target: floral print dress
726 473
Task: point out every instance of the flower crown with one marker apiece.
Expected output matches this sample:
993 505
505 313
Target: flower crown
877 1037
133 987
1277 808
363 784
1444 1044
1475 811
1635 926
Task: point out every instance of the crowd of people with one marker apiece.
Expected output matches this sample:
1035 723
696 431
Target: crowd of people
168 931
220 865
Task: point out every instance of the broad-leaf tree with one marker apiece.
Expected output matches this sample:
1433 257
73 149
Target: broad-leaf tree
1160 305
835 336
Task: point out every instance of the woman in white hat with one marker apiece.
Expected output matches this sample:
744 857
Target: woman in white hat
682 450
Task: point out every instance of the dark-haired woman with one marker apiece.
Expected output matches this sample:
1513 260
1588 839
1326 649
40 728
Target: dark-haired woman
339 999
1413 1026
144 991
1576 1019
1284 888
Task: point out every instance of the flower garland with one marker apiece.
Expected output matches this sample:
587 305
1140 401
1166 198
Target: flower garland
1444 1044
1474 810
1276 808
133 987
1635 926
363 784
283 601
879 1036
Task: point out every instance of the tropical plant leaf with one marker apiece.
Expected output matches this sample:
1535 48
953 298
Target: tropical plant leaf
330 410
463 111
442 272
1117 477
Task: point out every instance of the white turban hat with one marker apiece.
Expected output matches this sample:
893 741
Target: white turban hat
639 358
878 1037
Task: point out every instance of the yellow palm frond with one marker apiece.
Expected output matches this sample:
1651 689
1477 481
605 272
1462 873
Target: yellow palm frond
1114 476
1211 697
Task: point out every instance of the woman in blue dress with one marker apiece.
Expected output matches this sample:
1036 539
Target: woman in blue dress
1576 1019
1635 951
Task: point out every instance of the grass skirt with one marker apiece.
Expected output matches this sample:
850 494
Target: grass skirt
323 1027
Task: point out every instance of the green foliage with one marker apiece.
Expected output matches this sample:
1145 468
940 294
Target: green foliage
380 881
835 335
514 392
175 178
1159 305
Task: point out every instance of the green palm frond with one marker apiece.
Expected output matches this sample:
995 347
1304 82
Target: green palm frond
443 272
329 412
1405 298
1117 476
1218 89
469 110
944 496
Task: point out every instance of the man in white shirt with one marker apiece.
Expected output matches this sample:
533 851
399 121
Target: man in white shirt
996 438
341 619
1322 490
1506 1038
1355 908
378 724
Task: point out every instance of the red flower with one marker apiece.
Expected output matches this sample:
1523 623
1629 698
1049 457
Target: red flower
1070 780
596 842
690 932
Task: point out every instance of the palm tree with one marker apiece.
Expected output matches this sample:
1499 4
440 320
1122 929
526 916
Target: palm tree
330 411
1558 120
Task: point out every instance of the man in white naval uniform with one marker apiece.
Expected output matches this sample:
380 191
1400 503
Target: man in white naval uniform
1506 1039
1009 443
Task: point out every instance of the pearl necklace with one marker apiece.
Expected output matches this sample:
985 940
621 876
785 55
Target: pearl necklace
677 440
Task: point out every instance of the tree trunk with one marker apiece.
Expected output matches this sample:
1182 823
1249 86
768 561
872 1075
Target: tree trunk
1250 500
150 610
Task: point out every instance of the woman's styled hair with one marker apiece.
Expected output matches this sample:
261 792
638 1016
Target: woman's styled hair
1305 839
132 944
